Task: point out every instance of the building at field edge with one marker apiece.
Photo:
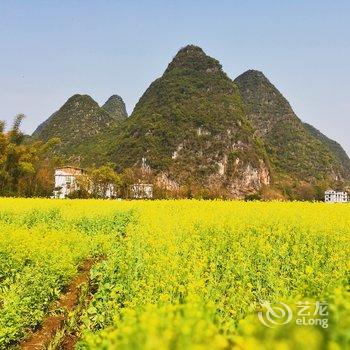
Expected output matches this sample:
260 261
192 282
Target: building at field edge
66 183
331 196
141 191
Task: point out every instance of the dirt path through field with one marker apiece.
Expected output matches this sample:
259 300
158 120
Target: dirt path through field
52 324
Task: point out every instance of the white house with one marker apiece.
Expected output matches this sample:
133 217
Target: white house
66 181
141 191
107 191
332 196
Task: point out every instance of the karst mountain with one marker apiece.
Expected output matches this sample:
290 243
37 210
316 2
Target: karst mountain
84 128
191 127
295 149
200 131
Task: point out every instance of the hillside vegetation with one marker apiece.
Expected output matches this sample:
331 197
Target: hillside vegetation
191 127
292 149
203 135
84 129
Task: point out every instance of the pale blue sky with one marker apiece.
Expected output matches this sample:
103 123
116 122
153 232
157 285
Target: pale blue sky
50 50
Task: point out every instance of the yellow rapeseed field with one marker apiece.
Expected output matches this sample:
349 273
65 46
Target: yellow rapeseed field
180 274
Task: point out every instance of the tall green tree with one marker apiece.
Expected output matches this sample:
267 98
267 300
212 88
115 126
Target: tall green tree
105 180
22 163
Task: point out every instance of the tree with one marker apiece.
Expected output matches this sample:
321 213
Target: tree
84 187
25 167
105 181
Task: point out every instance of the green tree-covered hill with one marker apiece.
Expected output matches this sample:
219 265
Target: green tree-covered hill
202 132
84 129
115 106
293 148
191 127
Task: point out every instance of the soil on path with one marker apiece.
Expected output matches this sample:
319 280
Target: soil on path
39 339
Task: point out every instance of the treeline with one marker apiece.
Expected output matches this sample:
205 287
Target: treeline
26 168
98 182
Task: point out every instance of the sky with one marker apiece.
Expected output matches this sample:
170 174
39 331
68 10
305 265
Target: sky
50 50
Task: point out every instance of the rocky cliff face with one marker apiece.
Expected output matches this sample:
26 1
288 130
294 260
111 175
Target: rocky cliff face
293 151
191 127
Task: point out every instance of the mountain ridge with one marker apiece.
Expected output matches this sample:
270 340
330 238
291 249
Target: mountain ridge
293 150
83 128
190 124
200 131
115 106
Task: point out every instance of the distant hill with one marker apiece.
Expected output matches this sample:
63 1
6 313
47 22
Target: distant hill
83 127
191 127
334 147
115 106
293 148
